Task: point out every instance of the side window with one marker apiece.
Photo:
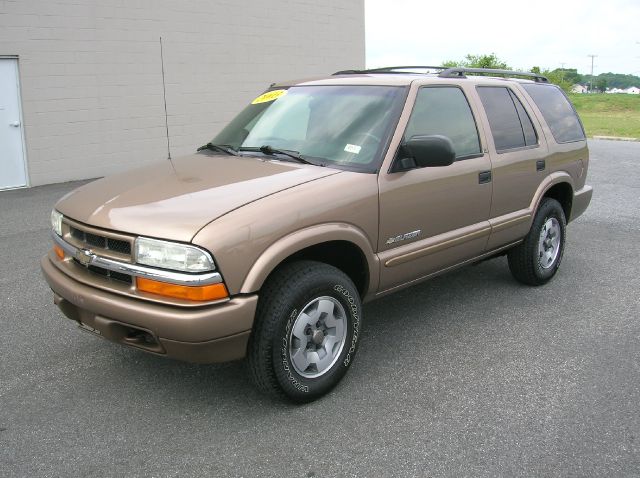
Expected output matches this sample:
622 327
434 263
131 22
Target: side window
557 112
510 124
530 137
445 111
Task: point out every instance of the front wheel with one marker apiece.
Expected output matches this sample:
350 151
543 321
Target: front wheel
536 260
306 332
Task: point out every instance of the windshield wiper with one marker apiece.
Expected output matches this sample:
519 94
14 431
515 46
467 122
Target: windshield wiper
266 149
225 148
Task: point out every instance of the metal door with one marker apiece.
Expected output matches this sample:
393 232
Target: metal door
12 164
435 217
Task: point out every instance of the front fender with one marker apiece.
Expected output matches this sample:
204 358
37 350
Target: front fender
303 238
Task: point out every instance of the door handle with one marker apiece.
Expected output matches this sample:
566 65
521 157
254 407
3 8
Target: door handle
484 177
15 124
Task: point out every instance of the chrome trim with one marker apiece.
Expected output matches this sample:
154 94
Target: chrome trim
91 259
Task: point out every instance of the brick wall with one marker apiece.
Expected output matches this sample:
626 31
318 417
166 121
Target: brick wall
91 78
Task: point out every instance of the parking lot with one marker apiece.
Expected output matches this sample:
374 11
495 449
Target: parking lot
470 374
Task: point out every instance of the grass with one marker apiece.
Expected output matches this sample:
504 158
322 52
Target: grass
609 115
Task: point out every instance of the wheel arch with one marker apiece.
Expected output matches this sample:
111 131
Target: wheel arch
558 186
343 246
563 193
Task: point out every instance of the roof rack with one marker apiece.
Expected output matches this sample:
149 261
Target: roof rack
459 72
390 69
447 72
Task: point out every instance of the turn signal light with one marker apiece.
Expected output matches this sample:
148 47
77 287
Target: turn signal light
195 293
58 250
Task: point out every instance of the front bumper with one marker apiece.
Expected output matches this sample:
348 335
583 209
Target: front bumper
214 333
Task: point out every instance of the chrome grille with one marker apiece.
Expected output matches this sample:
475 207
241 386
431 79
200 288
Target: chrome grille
119 276
102 242
107 244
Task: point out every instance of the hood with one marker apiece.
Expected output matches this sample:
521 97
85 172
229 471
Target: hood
175 199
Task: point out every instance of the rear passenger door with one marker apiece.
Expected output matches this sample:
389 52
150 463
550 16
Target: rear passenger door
517 158
434 217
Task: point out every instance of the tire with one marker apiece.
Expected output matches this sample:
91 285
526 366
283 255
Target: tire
306 331
536 260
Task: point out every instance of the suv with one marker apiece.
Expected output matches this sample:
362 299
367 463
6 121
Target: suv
320 195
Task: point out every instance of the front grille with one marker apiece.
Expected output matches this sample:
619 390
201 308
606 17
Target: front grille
119 276
103 242
106 244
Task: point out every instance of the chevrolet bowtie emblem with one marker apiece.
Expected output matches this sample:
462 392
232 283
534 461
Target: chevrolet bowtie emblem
84 256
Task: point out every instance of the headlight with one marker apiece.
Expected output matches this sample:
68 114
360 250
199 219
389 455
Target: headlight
56 222
174 256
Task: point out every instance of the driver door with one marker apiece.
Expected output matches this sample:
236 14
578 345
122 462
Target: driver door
435 217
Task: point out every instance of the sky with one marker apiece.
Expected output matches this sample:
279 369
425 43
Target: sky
544 33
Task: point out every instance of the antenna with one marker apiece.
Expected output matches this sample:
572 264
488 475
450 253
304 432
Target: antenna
164 94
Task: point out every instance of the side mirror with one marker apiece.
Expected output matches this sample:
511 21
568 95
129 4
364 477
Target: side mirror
425 151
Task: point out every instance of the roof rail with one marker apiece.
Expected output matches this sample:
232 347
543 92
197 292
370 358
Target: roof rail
447 72
459 72
390 69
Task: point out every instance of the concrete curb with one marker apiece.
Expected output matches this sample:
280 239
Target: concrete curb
615 138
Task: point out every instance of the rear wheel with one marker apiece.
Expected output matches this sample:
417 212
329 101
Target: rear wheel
306 331
536 260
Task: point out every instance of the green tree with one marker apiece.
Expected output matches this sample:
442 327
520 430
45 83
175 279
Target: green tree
601 85
451 63
617 80
479 61
570 74
557 77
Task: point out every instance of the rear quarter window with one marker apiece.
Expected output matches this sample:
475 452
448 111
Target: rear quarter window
557 112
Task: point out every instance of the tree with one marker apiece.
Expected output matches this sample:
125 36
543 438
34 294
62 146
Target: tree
601 85
557 77
479 61
614 80
570 74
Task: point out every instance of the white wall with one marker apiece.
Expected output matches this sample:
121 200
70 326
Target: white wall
91 78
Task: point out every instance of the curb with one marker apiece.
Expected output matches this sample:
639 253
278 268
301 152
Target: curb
615 138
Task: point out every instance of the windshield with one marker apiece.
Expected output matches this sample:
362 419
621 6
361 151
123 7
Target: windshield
342 126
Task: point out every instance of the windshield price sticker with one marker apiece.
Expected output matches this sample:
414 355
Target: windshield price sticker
269 96
352 148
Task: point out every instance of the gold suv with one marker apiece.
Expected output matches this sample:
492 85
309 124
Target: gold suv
320 195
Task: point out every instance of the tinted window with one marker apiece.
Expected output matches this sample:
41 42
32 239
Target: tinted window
445 111
510 124
557 112
530 137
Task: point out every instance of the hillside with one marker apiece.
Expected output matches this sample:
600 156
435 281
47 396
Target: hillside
609 115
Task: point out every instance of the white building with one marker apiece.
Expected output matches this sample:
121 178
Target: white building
629 91
81 91
577 88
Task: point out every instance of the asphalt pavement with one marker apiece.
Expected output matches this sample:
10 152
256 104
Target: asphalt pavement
470 374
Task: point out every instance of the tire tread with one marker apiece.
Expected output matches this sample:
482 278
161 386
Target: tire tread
521 261
274 296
